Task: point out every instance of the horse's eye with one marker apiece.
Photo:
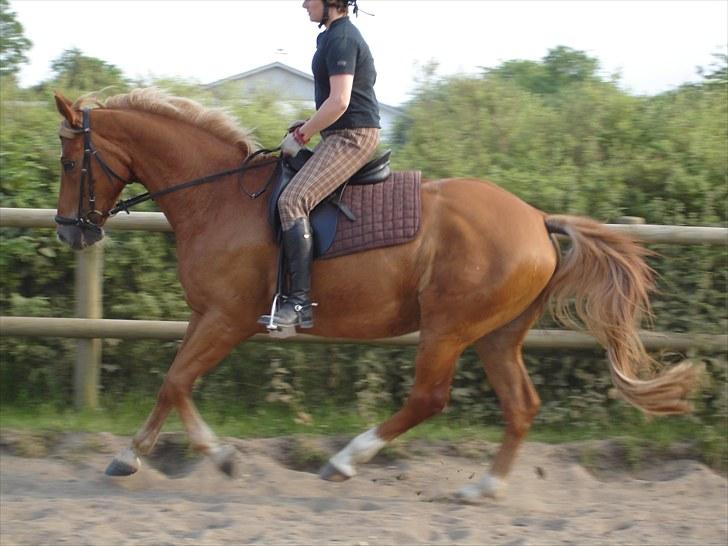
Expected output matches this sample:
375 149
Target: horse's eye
68 165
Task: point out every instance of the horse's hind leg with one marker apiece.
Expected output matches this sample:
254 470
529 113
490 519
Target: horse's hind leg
207 341
500 352
434 367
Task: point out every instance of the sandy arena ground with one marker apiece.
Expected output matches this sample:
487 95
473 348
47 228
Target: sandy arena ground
53 491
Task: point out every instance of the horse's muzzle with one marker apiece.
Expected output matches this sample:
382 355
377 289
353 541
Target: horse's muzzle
79 237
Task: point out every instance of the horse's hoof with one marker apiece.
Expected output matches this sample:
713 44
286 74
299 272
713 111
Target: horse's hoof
332 474
469 493
125 463
488 487
227 460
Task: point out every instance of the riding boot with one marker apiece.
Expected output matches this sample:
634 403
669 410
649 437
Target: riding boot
296 310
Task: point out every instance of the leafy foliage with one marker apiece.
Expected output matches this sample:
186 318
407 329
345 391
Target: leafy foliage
75 71
13 44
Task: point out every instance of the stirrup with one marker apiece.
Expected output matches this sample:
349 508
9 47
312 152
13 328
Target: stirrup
279 330
269 321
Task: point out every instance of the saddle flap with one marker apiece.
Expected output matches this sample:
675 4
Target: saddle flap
324 220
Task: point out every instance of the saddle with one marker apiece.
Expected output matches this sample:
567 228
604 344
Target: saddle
324 217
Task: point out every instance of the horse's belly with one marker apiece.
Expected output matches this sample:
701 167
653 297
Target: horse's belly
352 323
367 296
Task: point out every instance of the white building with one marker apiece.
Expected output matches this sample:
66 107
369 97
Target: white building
295 89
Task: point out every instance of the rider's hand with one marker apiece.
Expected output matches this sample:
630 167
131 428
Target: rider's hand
296 124
293 142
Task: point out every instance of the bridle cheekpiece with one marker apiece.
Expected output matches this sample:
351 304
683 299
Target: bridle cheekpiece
93 218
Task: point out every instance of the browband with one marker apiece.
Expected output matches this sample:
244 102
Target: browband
66 131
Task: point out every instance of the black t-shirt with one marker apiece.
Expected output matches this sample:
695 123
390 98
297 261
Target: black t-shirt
340 49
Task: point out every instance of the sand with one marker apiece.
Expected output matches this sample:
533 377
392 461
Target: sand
53 491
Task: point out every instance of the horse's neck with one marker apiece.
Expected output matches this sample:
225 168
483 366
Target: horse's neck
167 152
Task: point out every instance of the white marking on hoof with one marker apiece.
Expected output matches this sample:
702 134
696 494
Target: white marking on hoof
360 450
469 492
487 486
226 459
341 464
332 474
125 463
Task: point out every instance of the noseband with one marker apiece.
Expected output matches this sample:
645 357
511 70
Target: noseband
92 219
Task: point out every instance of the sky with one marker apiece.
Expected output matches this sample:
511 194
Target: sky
654 45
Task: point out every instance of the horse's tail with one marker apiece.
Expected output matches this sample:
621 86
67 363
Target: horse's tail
606 274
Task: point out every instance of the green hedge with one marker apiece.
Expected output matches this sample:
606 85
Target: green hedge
573 144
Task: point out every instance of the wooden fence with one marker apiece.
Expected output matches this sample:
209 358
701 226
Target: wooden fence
89 327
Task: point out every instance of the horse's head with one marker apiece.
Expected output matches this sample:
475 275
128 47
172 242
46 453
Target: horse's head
94 171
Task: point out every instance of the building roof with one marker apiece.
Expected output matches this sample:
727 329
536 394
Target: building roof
261 69
295 72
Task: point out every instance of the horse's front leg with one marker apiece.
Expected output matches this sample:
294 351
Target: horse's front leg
209 338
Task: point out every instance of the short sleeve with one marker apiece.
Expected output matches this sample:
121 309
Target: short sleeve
341 57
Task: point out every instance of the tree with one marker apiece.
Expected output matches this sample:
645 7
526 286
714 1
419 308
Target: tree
75 71
717 74
560 68
528 75
565 65
13 44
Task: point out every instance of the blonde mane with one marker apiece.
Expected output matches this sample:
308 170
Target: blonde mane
156 101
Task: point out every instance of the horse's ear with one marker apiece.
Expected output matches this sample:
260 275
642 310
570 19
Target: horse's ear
66 110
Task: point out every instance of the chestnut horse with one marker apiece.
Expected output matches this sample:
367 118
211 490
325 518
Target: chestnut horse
479 273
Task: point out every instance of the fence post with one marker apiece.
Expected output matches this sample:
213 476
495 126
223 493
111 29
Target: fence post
88 292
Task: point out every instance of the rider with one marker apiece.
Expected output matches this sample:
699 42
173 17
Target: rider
347 116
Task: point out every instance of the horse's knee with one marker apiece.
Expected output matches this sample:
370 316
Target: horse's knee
439 401
429 403
171 390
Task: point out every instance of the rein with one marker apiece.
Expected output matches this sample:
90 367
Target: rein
127 203
93 217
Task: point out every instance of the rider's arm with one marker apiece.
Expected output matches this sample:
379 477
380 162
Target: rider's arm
333 107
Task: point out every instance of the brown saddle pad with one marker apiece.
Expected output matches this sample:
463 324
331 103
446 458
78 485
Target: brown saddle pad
386 214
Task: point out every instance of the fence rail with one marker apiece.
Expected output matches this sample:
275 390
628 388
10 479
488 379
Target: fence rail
174 330
156 221
89 327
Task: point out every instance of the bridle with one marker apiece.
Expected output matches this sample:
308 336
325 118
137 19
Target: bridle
93 218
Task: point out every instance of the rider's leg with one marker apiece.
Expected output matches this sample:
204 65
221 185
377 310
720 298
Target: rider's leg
297 310
336 158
